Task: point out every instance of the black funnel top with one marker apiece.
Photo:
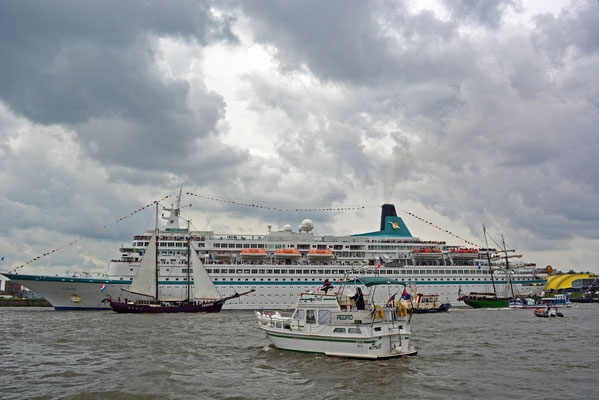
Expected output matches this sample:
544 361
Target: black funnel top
388 211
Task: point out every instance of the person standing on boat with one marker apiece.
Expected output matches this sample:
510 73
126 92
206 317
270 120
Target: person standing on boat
327 285
359 299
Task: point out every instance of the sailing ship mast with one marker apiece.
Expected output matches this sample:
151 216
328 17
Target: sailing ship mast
188 261
489 259
507 267
157 234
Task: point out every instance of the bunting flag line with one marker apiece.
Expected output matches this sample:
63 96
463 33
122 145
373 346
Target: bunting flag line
265 207
116 221
439 228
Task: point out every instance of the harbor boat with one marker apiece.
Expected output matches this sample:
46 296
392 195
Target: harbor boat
524 302
558 301
333 325
547 314
145 283
426 303
280 263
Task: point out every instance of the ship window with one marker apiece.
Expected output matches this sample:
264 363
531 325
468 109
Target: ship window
283 271
261 271
223 271
321 271
179 244
246 271
306 271
239 271
217 271
216 244
167 279
313 271
299 314
269 271
279 325
254 271
324 317
339 330
239 245
231 245
130 269
396 271
377 329
334 271
354 330
130 279
310 316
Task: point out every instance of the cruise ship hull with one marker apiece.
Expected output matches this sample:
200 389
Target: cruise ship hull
69 293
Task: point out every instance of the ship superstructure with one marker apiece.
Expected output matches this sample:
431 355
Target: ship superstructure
279 264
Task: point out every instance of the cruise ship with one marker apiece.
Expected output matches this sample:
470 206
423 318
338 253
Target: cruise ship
282 263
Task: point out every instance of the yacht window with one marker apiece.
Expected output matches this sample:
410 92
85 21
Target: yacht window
354 330
279 325
310 316
339 330
324 317
299 314
377 329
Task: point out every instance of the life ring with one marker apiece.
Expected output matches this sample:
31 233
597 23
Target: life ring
401 311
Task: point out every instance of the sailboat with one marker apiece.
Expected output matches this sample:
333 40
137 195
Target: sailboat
206 297
492 300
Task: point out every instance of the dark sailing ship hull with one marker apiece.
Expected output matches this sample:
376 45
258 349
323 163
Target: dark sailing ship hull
143 308
488 303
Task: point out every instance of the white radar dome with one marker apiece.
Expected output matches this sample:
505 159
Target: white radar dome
307 225
287 228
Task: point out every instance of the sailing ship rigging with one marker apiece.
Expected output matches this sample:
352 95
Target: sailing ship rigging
145 283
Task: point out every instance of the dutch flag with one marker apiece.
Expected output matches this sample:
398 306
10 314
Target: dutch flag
102 287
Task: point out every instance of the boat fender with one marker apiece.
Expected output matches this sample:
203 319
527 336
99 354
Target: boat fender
378 312
401 311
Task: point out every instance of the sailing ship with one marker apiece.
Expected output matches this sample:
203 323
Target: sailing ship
493 300
206 297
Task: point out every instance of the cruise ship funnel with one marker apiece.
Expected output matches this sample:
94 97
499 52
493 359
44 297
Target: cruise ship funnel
387 211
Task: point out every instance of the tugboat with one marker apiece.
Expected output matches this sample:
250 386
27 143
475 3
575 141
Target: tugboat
145 283
336 325
426 303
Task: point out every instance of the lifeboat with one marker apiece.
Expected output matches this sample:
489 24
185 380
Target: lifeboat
287 253
253 253
320 254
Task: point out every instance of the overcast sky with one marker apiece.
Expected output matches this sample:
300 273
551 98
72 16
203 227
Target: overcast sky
461 112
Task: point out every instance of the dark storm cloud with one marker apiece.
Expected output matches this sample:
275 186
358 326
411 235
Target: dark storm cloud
492 115
93 66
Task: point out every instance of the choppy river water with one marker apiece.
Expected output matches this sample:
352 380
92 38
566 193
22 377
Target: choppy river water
47 354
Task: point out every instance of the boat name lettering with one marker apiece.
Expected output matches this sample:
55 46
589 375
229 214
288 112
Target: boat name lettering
375 346
345 317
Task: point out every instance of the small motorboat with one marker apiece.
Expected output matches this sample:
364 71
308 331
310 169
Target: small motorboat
335 325
547 314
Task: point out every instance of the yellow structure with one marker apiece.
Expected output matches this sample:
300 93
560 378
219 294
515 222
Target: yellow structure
564 281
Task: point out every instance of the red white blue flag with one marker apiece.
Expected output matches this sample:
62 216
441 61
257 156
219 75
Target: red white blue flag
102 287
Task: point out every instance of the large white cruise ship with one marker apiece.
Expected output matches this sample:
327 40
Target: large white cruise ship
281 264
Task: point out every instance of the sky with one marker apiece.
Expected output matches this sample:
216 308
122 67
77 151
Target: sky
461 112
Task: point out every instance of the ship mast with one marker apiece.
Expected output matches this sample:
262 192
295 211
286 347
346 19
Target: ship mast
188 260
489 259
157 243
507 267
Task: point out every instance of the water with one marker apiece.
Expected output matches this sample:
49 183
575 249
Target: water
46 354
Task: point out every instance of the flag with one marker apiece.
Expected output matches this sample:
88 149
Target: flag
102 287
378 266
339 280
2 258
405 295
391 299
